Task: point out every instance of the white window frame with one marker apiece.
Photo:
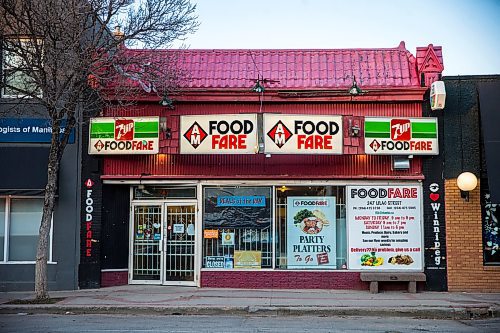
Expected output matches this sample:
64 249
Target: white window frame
5 259
6 68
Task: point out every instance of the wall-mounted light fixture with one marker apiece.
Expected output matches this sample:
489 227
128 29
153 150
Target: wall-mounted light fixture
258 87
167 102
355 90
354 129
400 162
466 182
168 133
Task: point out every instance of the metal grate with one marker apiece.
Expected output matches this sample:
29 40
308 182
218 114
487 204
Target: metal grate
146 244
246 239
180 243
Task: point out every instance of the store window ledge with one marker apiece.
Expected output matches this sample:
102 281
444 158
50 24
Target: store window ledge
24 262
492 268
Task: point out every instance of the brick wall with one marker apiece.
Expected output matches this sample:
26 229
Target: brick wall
466 271
110 278
282 280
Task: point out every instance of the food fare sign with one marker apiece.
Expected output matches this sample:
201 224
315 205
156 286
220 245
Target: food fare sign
401 136
219 134
384 227
301 134
311 232
124 135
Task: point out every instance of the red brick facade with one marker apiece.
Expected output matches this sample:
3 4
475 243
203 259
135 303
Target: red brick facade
466 271
116 278
282 280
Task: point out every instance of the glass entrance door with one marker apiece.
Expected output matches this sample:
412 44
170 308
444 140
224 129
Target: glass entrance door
179 244
146 244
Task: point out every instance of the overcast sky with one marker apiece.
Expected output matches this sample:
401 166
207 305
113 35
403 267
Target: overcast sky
468 30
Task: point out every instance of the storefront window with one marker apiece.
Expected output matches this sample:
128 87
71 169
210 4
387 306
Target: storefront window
491 226
19 227
310 227
237 228
25 217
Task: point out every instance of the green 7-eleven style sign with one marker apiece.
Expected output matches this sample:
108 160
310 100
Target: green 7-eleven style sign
401 136
124 135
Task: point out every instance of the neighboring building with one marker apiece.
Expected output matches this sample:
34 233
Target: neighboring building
25 138
260 177
472 144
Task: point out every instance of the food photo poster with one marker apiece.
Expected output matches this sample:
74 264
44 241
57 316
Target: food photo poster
311 232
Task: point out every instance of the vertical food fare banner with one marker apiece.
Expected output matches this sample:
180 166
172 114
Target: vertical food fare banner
302 134
311 232
124 135
384 227
398 136
219 134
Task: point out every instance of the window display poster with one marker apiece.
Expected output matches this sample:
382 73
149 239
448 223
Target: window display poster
228 238
247 259
311 232
384 227
237 207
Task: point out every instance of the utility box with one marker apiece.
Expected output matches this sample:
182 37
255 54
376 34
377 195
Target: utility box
438 95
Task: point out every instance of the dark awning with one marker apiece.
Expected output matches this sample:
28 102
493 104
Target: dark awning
489 106
23 170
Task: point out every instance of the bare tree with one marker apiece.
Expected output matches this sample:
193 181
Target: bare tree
62 55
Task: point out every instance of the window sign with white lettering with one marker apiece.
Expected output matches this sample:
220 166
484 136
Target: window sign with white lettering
33 130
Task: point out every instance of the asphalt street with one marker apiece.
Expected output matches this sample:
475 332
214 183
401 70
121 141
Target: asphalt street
92 323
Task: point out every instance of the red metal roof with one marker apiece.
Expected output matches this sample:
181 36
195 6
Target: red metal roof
331 69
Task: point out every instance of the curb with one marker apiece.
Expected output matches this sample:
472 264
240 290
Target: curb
461 313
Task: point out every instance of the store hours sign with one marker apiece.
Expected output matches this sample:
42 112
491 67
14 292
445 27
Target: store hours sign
311 232
384 227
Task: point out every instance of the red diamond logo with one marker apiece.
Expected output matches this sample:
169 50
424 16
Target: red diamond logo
280 134
99 145
195 135
89 183
375 145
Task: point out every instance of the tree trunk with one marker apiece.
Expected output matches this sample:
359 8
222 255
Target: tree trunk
41 282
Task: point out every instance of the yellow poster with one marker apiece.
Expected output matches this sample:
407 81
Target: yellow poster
247 259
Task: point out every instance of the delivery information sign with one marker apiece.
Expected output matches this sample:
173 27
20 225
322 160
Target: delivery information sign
219 134
401 136
311 234
124 135
301 134
384 227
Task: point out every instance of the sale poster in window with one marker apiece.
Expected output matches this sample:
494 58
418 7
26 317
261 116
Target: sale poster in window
311 233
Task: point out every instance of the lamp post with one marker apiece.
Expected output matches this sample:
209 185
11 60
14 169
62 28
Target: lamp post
466 182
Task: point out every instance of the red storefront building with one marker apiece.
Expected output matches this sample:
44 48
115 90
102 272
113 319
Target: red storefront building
274 169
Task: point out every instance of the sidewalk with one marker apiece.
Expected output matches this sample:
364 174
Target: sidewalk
166 300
